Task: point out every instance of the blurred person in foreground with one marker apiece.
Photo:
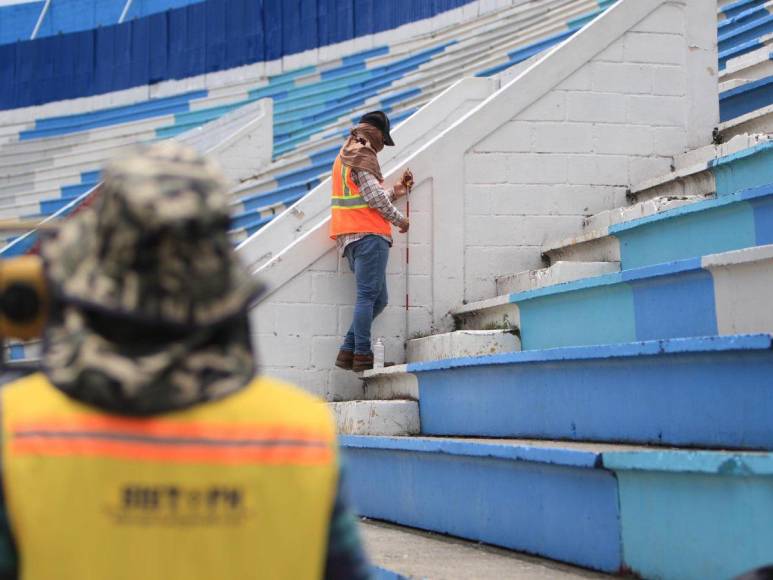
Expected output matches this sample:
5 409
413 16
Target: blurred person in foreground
148 448
362 214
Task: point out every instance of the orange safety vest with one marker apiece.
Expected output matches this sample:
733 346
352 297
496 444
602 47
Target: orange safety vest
242 487
350 213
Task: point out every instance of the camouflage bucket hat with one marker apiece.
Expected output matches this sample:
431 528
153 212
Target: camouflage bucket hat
152 302
156 247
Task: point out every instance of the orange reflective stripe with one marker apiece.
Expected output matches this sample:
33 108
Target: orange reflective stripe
160 427
231 455
170 441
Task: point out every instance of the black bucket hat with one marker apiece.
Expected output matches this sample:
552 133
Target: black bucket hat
379 120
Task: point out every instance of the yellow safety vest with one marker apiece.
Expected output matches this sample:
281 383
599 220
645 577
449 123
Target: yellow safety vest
233 489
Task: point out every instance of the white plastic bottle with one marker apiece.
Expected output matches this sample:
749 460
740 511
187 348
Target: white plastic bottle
378 353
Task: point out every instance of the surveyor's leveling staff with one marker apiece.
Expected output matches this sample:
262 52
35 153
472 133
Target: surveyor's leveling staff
408 183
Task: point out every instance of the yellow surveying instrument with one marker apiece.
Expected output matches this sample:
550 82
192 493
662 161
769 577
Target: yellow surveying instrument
24 294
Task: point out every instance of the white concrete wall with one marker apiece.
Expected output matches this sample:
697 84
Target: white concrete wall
562 140
615 121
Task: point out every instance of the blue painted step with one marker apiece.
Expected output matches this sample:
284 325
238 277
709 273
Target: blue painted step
729 222
682 299
653 513
708 392
746 32
735 8
745 99
552 501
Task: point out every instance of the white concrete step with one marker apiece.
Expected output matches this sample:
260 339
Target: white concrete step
736 66
759 121
702 155
557 273
462 343
593 242
691 174
751 72
411 553
642 209
395 417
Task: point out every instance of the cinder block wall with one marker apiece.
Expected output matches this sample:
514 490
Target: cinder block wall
617 120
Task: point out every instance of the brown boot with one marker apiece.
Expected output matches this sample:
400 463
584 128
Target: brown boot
345 359
362 362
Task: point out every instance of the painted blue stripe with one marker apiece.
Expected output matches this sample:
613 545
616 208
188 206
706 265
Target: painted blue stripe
401 96
750 14
663 308
720 228
554 455
737 7
746 32
648 399
580 21
558 511
746 169
735 51
713 344
649 271
90 176
291 75
102 114
745 99
365 55
324 155
341 71
107 122
262 200
310 175
528 51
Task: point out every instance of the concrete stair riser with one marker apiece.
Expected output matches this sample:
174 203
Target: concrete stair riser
753 73
389 418
601 507
558 273
461 344
760 121
637 211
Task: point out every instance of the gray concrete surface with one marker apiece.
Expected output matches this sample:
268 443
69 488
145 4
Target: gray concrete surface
417 554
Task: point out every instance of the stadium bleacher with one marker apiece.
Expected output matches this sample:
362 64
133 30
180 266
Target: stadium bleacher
18 20
536 417
313 106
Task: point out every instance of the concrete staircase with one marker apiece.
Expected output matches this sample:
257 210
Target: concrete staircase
649 328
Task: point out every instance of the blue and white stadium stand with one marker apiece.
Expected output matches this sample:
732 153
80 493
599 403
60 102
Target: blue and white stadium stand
632 388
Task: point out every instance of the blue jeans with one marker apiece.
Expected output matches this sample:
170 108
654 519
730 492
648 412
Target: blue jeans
367 259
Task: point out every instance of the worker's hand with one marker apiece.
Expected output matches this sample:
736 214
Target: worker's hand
400 190
407 179
404 225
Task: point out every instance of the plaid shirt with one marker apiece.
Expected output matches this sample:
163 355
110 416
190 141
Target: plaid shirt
377 198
